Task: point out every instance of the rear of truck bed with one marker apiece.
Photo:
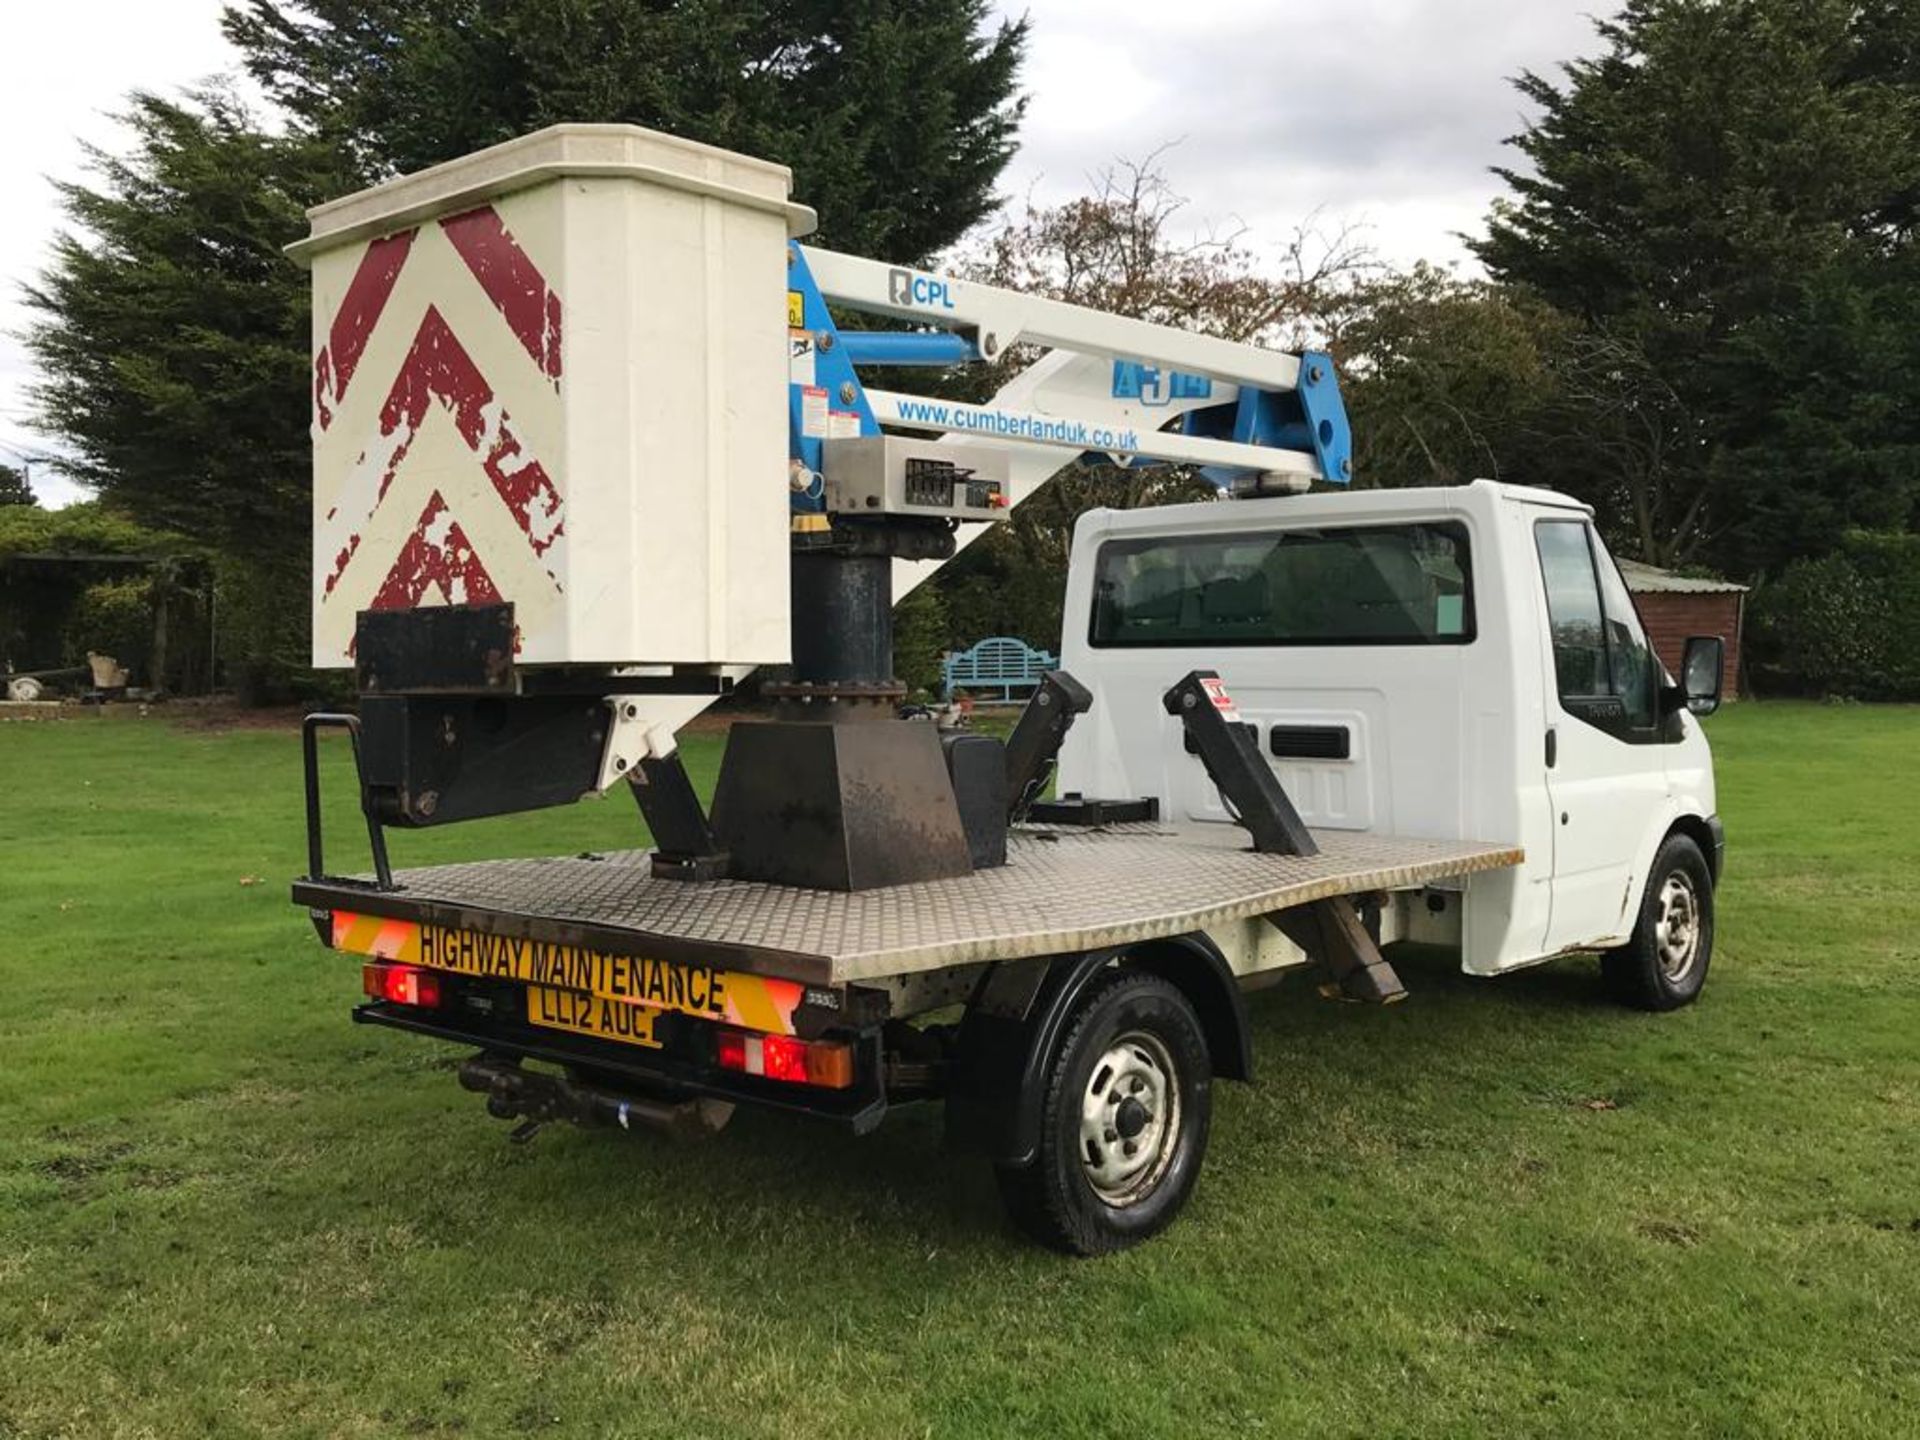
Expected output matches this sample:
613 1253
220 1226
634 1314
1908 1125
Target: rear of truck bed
792 998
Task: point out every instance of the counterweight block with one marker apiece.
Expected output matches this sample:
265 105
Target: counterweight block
838 806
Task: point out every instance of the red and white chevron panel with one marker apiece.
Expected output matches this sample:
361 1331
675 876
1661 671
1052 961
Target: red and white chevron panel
438 427
554 373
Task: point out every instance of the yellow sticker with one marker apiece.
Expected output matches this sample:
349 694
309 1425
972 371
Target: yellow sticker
755 1002
796 310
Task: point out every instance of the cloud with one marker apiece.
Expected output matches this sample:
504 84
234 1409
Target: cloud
1387 110
73 67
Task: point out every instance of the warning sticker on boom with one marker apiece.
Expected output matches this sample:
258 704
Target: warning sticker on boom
813 413
1216 689
800 357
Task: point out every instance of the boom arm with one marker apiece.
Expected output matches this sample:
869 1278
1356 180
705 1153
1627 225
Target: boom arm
1107 387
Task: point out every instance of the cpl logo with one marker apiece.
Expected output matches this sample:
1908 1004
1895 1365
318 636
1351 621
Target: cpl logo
906 288
1150 385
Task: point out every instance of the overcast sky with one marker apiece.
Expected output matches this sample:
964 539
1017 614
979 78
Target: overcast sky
1380 112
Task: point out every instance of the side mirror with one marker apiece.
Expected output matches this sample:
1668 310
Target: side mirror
1701 668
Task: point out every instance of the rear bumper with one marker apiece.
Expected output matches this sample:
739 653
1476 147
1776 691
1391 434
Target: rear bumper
486 1022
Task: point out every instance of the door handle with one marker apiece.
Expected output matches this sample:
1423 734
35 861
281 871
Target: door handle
1553 746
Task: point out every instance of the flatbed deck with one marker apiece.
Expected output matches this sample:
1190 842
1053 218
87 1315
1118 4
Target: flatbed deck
1062 889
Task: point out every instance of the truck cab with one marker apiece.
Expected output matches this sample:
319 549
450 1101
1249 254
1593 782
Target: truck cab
1452 663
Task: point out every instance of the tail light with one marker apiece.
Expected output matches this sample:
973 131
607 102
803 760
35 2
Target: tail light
826 1063
402 984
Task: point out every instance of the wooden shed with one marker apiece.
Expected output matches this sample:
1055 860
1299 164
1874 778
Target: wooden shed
1675 606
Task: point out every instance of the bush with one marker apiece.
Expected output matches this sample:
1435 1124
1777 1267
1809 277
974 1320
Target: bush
113 617
920 640
1845 624
265 641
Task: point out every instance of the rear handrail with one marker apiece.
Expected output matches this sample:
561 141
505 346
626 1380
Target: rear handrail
310 729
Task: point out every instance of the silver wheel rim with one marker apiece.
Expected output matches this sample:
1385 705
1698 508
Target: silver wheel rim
1676 925
1130 1120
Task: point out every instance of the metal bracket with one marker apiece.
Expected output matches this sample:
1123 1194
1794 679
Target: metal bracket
435 650
634 734
685 845
1038 735
310 729
1234 763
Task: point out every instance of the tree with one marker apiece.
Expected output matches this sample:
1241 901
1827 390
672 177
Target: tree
1444 378
14 489
896 116
1120 250
1727 182
920 639
173 333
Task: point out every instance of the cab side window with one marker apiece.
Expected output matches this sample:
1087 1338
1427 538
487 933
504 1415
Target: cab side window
1634 667
1604 669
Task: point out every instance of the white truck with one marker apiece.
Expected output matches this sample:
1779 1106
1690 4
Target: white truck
1290 728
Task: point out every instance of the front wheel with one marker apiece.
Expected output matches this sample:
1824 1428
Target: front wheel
1665 963
1126 1105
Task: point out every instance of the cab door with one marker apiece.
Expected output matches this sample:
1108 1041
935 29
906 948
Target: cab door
1606 770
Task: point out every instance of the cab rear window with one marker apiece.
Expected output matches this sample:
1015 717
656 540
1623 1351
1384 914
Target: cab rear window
1337 585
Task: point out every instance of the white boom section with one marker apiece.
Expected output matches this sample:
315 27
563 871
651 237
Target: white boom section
1072 404
1008 317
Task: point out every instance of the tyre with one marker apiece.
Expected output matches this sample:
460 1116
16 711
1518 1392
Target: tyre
1125 1106
1665 963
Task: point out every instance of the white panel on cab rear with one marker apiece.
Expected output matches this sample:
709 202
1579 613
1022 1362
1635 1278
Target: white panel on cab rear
554 373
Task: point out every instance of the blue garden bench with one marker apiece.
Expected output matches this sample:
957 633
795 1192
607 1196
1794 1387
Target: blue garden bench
1004 663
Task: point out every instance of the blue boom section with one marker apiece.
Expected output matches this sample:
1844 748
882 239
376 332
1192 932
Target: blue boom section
824 396
1311 417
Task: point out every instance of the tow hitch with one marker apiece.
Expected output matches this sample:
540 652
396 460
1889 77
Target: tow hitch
513 1093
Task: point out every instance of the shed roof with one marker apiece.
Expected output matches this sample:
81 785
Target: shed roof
1645 579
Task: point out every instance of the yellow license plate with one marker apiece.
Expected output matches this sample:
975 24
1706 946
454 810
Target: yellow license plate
753 1002
593 1015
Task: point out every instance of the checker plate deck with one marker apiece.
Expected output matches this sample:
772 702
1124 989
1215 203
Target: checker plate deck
1062 889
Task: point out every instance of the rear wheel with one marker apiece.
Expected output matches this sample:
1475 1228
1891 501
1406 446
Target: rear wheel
1665 963
1125 1109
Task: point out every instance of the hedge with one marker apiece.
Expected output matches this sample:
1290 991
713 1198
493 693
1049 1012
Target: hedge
1846 624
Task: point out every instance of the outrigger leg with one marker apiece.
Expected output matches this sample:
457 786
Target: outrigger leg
1329 930
1332 933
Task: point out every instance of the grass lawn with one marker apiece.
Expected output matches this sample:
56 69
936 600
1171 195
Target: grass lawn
1503 1208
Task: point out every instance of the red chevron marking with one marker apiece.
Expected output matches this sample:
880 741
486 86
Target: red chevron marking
438 367
512 281
437 556
353 323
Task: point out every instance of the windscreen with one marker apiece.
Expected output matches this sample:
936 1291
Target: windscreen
1338 585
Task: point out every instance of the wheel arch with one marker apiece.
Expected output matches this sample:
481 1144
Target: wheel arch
1020 1009
1194 966
1700 830
1674 819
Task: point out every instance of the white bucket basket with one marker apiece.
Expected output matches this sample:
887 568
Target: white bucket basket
554 373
